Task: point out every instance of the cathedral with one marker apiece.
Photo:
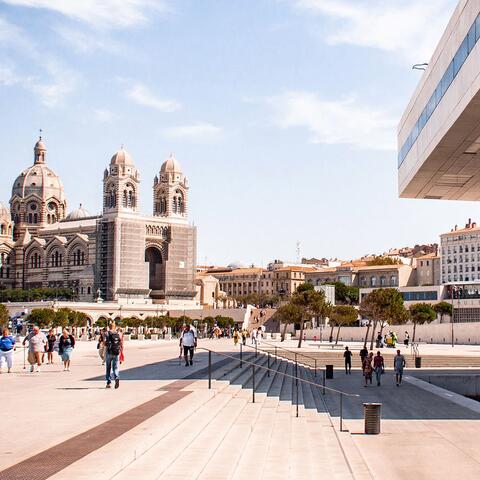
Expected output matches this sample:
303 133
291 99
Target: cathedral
120 254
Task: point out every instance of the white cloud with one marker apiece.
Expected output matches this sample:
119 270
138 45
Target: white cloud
344 121
88 42
62 83
141 94
199 132
103 116
103 14
409 27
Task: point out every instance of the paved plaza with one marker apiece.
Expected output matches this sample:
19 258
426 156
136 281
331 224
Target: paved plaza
164 422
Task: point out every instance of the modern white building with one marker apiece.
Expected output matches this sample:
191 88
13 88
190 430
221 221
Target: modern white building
460 254
439 132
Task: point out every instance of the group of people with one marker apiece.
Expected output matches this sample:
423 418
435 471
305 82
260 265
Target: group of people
390 340
39 344
374 364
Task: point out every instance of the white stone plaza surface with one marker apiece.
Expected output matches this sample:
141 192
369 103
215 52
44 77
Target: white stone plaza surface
220 433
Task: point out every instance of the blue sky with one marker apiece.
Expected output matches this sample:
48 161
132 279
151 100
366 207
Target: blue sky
283 113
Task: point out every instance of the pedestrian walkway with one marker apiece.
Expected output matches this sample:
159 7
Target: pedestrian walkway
421 432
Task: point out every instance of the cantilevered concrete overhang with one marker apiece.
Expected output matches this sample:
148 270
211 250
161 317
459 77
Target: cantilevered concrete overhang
443 161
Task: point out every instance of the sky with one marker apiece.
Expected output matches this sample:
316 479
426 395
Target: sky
282 113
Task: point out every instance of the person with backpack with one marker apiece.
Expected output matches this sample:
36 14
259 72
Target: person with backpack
113 348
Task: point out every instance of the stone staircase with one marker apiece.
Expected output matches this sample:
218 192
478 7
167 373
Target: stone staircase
230 437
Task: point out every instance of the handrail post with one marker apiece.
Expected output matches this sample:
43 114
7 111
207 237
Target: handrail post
315 367
296 395
209 369
323 371
296 369
268 364
256 348
275 353
253 383
241 355
341 412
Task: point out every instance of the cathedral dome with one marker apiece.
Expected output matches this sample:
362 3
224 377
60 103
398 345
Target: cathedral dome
121 157
39 179
78 214
171 165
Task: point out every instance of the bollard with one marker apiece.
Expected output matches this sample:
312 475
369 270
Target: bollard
275 353
329 371
268 364
315 367
323 371
256 342
241 356
372 414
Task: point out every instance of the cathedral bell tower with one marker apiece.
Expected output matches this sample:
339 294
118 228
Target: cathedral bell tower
170 191
121 182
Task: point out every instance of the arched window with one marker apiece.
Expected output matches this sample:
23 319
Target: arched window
125 198
174 205
383 281
34 260
56 259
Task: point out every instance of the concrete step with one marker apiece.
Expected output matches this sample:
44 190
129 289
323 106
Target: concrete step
161 455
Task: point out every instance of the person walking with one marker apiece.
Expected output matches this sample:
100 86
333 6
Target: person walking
36 347
406 339
235 336
7 347
65 348
188 342
379 367
363 354
101 345
368 368
347 355
113 347
51 339
398 365
244 337
254 336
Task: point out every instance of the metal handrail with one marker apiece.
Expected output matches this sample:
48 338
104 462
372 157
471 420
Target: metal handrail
293 377
295 355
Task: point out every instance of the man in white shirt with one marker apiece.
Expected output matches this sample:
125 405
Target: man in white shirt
188 341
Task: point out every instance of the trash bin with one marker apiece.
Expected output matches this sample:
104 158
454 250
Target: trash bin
418 362
329 371
371 412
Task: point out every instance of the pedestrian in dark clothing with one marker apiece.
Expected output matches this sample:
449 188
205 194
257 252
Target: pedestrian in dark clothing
378 367
347 355
363 354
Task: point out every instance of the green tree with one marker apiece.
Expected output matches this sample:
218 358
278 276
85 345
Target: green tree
43 317
343 315
288 314
383 305
3 314
382 260
421 313
345 294
443 308
311 302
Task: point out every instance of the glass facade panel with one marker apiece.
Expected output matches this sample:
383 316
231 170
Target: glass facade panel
453 68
